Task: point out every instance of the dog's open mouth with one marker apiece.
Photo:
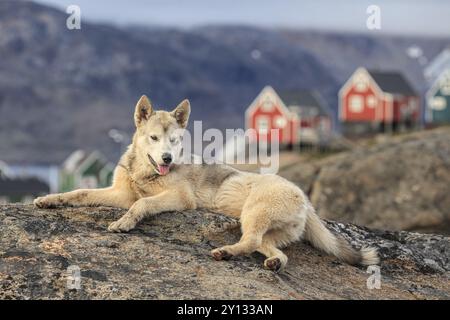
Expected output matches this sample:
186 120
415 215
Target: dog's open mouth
160 168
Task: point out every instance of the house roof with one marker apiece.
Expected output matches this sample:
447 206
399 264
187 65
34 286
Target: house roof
306 103
271 91
20 187
435 86
74 160
392 82
80 159
439 63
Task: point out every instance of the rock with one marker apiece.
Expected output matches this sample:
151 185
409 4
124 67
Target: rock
399 183
167 257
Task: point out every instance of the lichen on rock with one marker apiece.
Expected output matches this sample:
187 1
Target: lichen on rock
167 257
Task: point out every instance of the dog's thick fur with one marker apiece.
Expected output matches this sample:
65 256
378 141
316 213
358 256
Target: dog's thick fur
273 212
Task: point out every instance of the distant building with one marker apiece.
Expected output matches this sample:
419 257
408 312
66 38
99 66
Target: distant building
268 112
374 101
301 116
22 190
85 170
316 122
436 66
438 100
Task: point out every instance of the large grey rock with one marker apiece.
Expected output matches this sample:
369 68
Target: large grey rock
168 257
400 183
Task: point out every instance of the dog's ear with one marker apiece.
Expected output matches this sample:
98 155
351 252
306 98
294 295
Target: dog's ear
143 110
182 112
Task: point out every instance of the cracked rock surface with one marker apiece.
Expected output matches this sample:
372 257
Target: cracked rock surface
393 183
167 257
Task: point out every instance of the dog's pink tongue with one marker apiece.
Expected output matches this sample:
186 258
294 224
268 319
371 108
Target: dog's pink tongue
163 170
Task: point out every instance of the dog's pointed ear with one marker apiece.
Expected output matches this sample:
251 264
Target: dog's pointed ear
182 112
143 110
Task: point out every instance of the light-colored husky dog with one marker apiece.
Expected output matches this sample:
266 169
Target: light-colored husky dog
273 212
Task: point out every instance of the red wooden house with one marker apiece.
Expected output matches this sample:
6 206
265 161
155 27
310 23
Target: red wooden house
268 112
373 101
301 116
316 122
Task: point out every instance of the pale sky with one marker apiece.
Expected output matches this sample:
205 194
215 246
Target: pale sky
413 17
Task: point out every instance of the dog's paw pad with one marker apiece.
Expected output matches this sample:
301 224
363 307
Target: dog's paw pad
273 264
220 254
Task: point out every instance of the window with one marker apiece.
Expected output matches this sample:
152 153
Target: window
361 86
360 82
356 103
267 104
262 124
438 103
280 122
371 101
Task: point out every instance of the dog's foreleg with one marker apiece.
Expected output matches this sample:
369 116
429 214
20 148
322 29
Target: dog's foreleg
87 197
169 200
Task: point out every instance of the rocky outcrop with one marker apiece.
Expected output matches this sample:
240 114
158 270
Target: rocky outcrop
399 183
167 257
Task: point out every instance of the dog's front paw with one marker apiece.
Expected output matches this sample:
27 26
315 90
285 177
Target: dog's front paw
45 202
221 254
122 225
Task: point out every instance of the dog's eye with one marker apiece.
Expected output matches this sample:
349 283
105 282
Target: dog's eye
154 138
172 140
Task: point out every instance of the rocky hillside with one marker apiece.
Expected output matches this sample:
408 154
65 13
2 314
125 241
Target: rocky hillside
396 183
63 89
168 258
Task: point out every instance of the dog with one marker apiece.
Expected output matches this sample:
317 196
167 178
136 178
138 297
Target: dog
273 212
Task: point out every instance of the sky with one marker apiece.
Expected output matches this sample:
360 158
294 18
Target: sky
406 17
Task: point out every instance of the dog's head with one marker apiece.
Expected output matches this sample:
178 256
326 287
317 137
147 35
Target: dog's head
159 134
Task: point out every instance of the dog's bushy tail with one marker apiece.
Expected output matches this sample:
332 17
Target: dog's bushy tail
322 238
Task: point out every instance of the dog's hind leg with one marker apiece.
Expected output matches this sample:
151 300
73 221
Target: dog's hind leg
276 259
254 224
272 216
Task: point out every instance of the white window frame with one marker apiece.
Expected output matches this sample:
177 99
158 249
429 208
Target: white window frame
352 101
267 104
361 83
263 129
280 122
371 101
438 103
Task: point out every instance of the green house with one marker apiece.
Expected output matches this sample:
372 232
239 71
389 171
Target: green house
82 170
438 100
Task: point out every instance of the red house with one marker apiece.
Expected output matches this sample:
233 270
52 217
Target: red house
316 121
373 101
301 116
268 112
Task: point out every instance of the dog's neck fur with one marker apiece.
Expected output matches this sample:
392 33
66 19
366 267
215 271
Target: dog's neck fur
140 169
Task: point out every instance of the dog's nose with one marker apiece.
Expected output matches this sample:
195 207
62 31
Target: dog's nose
167 158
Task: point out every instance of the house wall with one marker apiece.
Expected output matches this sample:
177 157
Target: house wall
439 115
368 111
272 117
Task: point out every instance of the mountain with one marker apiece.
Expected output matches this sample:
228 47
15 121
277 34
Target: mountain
64 89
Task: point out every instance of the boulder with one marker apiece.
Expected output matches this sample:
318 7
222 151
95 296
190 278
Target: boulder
167 257
395 183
